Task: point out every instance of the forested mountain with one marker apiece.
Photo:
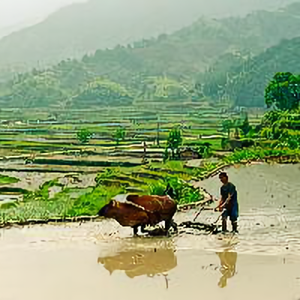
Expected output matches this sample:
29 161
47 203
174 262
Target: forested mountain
167 67
244 79
98 24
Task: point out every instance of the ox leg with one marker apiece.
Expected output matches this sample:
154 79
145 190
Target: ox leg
135 230
143 230
174 225
170 223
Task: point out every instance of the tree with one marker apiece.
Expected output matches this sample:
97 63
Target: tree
226 127
287 141
245 126
237 124
283 91
120 134
102 92
204 150
84 135
158 88
174 140
280 125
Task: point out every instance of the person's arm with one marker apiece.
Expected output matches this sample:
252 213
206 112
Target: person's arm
220 201
226 201
223 202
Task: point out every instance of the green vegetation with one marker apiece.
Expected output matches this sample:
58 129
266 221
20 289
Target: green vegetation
75 202
148 179
243 81
120 135
282 128
94 115
240 124
38 205
101 92
263 155
184 193
203 65
154 179
84 136
8 180
174 141
89 204
283 91
282 124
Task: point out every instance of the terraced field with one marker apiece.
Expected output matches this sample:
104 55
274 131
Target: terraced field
27 132
54 174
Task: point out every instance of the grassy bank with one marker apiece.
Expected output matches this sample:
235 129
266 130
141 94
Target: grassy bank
7 180
263 155
76 202
117 162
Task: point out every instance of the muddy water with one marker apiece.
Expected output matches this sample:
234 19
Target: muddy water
269 199
33 180
102 261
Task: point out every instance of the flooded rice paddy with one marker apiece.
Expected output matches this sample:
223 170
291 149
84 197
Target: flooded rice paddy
102 260
31 181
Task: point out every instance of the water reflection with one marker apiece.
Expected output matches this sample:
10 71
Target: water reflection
140 257
228 266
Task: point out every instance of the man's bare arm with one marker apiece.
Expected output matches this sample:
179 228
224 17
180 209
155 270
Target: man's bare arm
223 203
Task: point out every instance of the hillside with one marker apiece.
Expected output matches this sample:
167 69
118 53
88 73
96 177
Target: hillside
98 24
162 68
248 88
245 79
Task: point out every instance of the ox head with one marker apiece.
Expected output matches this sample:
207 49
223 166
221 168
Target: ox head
105 209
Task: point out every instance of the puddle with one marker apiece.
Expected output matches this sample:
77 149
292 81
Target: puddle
82 262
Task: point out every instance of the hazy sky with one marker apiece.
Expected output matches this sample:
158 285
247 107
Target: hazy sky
13 12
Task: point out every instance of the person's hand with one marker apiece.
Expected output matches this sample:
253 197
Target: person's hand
214 199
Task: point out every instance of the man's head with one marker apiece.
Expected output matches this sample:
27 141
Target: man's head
223 177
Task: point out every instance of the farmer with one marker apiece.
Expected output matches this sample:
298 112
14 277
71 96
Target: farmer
228 203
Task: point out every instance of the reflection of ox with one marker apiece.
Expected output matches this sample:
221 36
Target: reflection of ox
145 257
142 211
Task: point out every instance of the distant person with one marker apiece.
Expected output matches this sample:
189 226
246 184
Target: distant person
228 203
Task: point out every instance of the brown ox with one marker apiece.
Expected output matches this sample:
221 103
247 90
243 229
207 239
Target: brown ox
142 211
